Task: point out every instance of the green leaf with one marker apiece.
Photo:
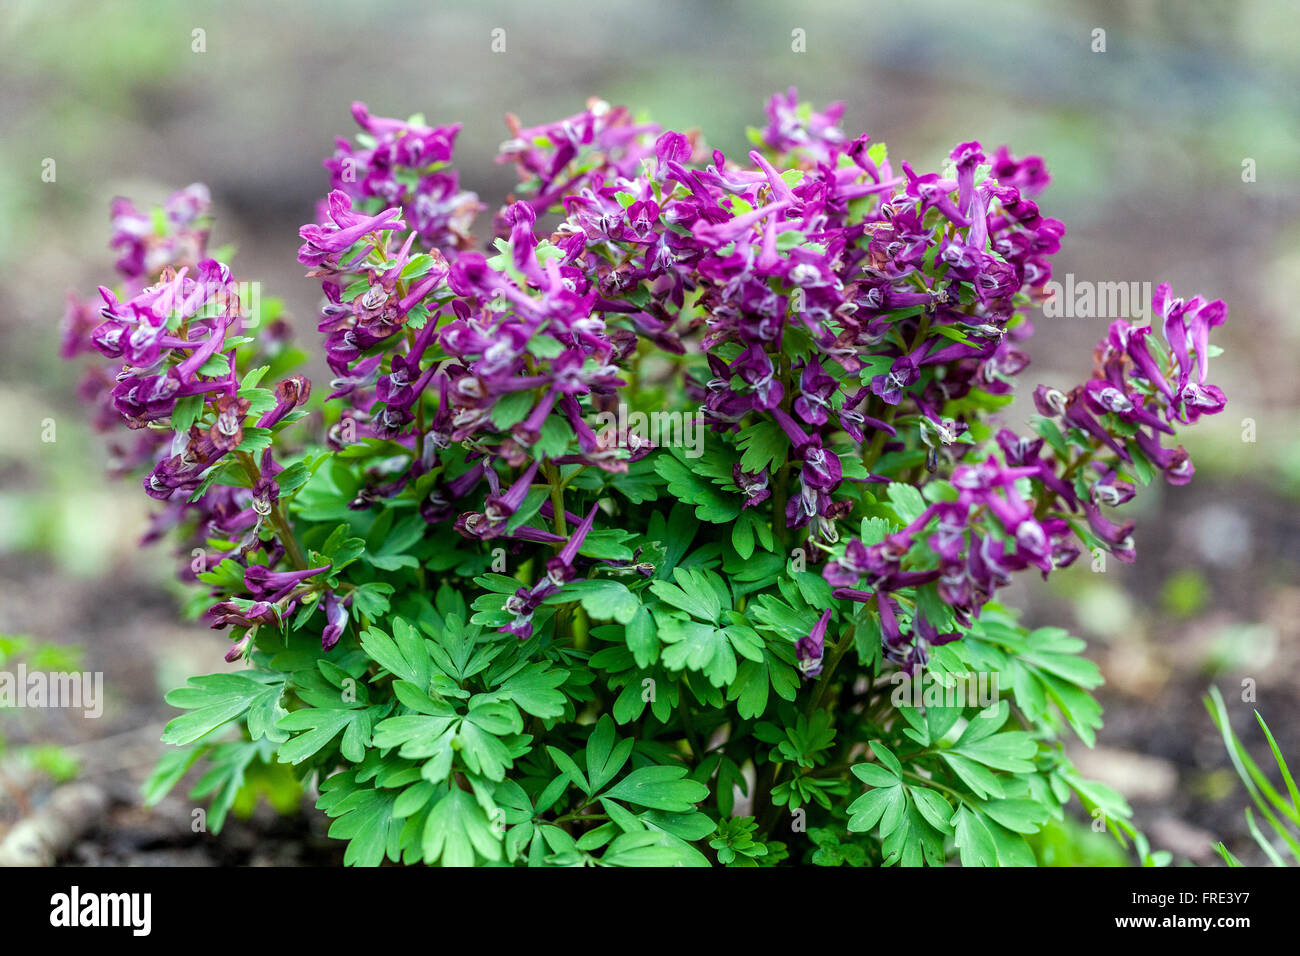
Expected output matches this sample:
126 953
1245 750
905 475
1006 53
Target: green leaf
886 757
659 788
214 700
652 848
764 445
602 599
642 638
390 554
973 839
555 438
913 841
187 411
605 757
365 819
404 655
696 593
323 725
698 647
882 805
1019 815
569 768
227 765
906 501
172 766
1008 751
1012 850
711 503
874 775
932 806
982 781
608 544
533 689
512 408
371 599
1052 435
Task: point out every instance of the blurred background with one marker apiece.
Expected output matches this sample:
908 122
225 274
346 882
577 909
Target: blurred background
1172 138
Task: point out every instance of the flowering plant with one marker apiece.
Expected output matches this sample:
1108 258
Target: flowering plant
667 532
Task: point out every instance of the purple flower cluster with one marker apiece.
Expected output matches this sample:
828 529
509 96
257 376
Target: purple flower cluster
481 334
145 252
837 313
407 165
1020 512
831 296
169 334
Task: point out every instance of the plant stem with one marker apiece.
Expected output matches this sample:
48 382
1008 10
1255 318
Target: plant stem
691 736
1045 505
780 495
580 628
765 812
579 816
824 681
557 502
278 520
285 531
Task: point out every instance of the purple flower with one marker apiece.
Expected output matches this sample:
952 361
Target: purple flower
238 649
336 619
242 614
854 422
753 485
789 129
821 469
967 156
324 244
889 386
934 192
559 571
289 394
1029 174
810 648
498 508
849 570
262 581
406 164
1117 538
815 391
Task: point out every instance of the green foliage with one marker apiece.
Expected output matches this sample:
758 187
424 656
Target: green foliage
647 720
1281 812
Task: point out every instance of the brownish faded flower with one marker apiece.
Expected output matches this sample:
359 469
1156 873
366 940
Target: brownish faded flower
227 431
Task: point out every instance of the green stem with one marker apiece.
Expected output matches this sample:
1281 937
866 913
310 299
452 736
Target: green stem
277 517
929 782
765 812
781 480
1045 505
579 816
557 502
580 626
780 495
828 671
691 736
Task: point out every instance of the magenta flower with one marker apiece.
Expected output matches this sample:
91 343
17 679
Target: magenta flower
810 648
